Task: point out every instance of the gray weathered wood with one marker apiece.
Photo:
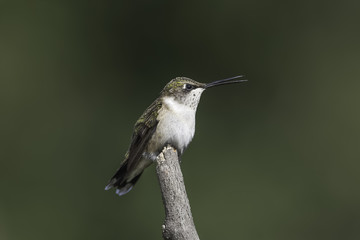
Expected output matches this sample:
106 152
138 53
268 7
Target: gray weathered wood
179 224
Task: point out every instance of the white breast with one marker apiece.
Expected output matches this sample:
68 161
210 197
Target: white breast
176 124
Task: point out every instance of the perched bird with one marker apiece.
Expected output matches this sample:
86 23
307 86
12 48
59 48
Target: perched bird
170 119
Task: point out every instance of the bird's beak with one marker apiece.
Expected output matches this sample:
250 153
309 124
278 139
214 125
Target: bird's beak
226 81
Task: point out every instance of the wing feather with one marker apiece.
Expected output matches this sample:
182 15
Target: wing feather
143 131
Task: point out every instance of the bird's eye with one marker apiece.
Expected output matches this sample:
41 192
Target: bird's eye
188 86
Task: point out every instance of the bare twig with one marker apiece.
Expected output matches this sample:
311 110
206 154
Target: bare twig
179 224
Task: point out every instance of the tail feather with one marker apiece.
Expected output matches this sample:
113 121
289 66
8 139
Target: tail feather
121 181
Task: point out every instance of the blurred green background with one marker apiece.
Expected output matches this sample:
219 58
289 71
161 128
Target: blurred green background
274 158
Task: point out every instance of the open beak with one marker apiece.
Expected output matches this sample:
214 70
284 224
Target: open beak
226 81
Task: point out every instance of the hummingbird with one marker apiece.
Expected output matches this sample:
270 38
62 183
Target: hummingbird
170 119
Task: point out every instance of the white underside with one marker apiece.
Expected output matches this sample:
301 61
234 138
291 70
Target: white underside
176 125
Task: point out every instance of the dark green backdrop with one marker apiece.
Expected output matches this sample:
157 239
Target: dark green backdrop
274 158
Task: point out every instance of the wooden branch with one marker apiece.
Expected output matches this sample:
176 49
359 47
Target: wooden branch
179 224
